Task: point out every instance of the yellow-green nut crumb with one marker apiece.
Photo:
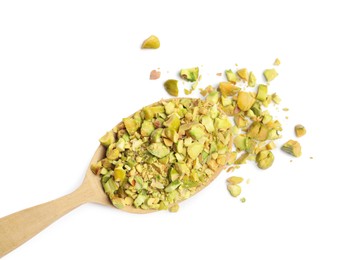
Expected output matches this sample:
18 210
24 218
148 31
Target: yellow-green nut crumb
158 149
231 76
191 74
107 139
234 180
243 200
243 74
270 74
151 43
258 131
262 92
251 80
276 62
292 147
171 86
234 189
228 89
276 99
194 150
245 100
174 208
300 130
264 159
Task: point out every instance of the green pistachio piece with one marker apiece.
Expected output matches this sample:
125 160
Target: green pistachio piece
300 130
258 131
264 159
96 167
173 122
117 202
147 128
234 189
151 43
182 168
131 125
173 186
223 123
119 174
262 92
270 74
107 139
150 112
292 147
140 200
171 134
169 108
173 174
276 62
207 122
276 99
228 89
245 100
243 74
110 186
251 80
240 142
190 74
158 149
242 159
194 150
240 120
112 152
171 86
156 135
174 208
234 180
213 97
196 132
231 76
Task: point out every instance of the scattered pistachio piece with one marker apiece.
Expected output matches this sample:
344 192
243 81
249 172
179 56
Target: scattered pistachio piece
234 180
264 159
228 89
107 139
243 74
191 74
300 130
251 80
174 208
171 86
262 92
292 147
151 43
245 100
270 74
155 74
243 199
235 190
276 62
231 76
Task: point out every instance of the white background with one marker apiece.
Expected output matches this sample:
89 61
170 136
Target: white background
70 70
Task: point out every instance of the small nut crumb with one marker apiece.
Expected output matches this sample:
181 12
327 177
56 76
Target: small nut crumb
276 62
300 130
174 208
235 190
151 43
243 200
155 74
219 74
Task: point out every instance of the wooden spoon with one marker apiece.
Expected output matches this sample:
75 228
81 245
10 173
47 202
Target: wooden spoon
19 227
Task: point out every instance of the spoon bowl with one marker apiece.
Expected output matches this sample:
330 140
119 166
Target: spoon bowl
19 227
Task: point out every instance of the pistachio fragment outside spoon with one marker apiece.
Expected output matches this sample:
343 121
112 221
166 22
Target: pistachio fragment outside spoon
152 160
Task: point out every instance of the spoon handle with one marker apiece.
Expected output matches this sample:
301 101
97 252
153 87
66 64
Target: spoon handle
17 228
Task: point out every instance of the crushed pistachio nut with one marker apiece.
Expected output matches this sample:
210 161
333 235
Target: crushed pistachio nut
292 147
155 74
300 130
234 180
243 74
171 86
234 189
276 62
164 153
270 74
191 74
231 76
174 208
264 159
243 199
151 43
251 80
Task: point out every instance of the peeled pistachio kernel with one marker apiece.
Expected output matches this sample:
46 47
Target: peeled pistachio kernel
158 149
234 180
258 131
228 89
245 100
131 125
171 86
262 92
191 74
235 190
146 128
150 112
231 76
151 43
243 74
174 208
251 80
264 159
213 97
300 130
107 139
270 74
292 147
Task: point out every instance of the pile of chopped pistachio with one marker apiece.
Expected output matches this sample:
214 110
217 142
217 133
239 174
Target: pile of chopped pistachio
164 153
255 130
